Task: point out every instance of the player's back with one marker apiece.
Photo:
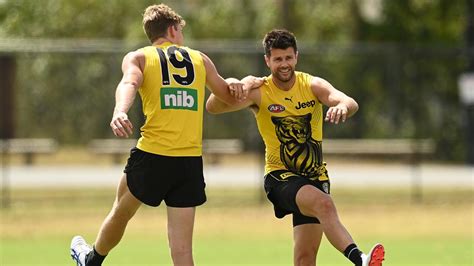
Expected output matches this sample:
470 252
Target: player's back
173 91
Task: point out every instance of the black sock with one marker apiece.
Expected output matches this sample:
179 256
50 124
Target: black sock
94 258
353 253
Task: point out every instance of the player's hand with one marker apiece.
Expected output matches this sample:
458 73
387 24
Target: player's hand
243 87
252 82
121 125
237 89
240 89
336 113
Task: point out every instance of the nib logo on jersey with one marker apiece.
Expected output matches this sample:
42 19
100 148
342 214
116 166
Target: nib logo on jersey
179 98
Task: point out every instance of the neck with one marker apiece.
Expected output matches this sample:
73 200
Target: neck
284 85
162 40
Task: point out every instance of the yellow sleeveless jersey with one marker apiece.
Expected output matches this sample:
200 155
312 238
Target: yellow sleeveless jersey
172 93
291 123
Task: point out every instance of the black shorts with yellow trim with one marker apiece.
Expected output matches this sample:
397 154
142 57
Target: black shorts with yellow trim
152 178
281 187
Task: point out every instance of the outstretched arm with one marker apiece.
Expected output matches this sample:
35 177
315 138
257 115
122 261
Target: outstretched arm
340 105
132 68
250 83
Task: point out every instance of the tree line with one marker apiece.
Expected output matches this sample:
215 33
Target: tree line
399 59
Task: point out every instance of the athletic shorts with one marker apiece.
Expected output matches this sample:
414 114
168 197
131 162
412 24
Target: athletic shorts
281 187
179 181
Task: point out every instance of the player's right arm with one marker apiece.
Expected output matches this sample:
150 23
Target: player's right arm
132 68
251 84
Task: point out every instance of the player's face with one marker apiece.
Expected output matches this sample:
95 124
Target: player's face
282 63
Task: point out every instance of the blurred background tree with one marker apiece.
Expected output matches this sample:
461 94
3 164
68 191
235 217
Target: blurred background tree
399 59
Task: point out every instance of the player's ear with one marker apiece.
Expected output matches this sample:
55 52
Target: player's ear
171 31
267 60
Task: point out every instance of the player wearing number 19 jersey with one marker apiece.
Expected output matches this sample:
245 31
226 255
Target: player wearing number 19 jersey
172 103
166 164
172 93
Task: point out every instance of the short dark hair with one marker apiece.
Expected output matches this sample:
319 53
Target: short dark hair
279 39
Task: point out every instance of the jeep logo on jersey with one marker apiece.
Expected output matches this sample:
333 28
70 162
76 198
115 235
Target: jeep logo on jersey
276 108
305 104
179 98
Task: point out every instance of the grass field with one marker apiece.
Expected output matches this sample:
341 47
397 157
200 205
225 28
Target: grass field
233 228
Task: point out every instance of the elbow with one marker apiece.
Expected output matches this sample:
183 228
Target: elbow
211 109
355 107
129 85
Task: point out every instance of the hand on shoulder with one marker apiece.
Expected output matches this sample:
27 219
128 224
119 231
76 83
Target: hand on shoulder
240 89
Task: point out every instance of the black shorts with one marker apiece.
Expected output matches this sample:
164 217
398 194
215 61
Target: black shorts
281 187
152 178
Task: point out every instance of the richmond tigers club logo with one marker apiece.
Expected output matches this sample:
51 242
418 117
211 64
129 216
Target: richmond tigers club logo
299 152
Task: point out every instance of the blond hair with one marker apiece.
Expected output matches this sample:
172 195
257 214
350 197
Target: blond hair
157 19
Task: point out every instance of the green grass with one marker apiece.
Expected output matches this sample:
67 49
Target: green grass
235 229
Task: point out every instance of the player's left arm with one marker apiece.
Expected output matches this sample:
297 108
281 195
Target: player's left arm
340 105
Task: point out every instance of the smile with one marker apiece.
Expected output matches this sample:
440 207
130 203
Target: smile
285 71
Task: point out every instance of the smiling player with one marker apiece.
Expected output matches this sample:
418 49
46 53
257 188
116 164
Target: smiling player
289 113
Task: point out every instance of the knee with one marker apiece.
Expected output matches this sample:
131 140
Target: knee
313 202
324 207
327 205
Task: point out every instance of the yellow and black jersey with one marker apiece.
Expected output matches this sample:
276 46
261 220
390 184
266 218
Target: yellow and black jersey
291 123
172 93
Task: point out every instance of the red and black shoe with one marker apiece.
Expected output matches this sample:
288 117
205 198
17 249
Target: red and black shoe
374 257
